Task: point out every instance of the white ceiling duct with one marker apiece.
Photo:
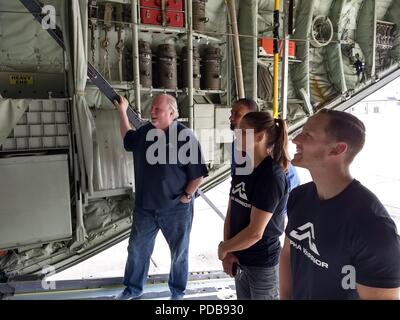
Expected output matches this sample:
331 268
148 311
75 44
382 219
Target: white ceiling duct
321 31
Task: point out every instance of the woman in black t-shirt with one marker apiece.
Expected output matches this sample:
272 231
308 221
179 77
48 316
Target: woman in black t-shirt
255 217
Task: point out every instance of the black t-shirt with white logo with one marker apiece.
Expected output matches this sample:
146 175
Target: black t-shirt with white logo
266 188
339 242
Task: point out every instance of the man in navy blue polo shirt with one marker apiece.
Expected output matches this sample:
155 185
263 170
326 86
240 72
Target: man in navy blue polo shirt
165 181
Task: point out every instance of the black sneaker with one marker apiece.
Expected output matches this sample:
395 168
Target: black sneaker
177 297
127 295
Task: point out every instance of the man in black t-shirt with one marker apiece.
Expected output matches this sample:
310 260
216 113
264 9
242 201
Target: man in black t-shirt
166 179
239 109
340 241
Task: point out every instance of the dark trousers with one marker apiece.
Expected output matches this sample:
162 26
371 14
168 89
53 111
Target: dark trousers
257 283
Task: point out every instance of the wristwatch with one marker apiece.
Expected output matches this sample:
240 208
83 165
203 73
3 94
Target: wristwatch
188 195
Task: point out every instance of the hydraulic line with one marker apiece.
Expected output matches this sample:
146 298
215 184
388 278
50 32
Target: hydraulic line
276 59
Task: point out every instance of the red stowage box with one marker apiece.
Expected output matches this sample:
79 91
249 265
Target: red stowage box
176 5
292 49
175 19
148 3
153 16
268 45
150 16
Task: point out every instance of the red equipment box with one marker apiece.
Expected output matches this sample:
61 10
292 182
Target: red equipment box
154 16
176 5
268 46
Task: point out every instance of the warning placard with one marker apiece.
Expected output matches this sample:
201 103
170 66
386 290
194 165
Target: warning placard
21 80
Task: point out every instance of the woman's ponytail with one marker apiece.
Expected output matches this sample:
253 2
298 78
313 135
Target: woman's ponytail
280 153
277 135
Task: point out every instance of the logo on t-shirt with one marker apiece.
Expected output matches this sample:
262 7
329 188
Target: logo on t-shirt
241 190
238 194
306 232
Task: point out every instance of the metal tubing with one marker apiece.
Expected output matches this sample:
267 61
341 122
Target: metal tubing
373 66
228 58
211 204
190 63
276 59
135 53
236 49
255 50
285 64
